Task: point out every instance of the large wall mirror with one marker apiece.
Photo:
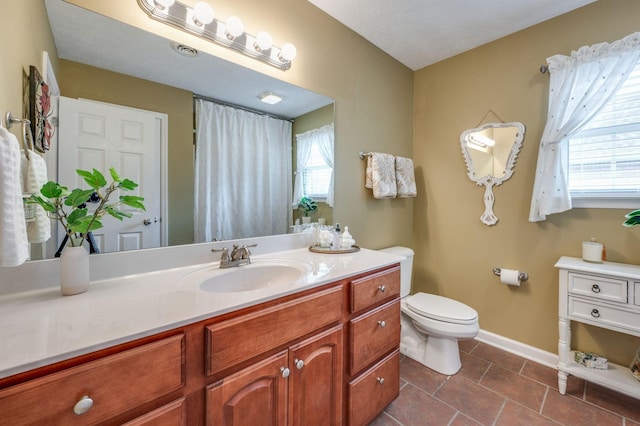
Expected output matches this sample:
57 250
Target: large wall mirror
490 152
105 60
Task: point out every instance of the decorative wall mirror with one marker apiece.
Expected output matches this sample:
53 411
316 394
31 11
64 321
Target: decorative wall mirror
490 152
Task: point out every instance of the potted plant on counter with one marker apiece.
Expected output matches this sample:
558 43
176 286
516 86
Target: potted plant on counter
307 205
70 210
632 218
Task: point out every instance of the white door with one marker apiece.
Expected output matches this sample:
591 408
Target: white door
100 135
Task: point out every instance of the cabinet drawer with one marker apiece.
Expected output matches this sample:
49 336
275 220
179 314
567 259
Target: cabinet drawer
604 316
242 338
637 294
373 334
374 288
611 289
116 384
373 390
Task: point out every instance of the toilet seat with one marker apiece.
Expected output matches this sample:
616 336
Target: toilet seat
441 308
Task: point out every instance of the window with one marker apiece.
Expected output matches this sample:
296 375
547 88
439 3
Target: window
603 167
314 165
316 176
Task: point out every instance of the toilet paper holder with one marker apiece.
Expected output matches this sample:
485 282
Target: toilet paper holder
522 276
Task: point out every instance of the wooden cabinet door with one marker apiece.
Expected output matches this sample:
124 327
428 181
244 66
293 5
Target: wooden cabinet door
315 387
256 395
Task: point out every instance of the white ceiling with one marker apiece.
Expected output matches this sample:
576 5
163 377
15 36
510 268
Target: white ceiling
422 32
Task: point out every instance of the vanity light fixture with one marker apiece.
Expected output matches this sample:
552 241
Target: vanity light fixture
200 21
269 98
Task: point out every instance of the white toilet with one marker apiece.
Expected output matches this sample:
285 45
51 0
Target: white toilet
431 325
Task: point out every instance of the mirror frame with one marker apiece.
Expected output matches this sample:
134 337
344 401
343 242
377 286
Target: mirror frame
489 181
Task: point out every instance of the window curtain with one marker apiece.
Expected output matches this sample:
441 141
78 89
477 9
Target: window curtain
242 173
323 137
580 85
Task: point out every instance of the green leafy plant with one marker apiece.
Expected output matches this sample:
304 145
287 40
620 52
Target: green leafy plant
632 218
69 207
306 205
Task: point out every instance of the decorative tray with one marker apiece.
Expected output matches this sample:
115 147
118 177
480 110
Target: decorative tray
318 249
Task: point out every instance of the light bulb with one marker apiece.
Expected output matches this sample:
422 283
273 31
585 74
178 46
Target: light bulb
235 27
288 52
163 4
263 41
202 14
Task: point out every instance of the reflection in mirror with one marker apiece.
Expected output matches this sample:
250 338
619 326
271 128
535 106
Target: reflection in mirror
490 152
105 60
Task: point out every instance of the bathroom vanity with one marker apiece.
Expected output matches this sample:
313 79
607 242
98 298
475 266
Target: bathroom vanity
324 350
604 295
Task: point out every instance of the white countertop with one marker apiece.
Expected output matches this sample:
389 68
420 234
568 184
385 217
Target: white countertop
41 327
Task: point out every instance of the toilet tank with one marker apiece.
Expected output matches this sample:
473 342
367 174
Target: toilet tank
406 266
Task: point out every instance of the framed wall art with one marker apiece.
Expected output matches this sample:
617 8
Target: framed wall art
40 112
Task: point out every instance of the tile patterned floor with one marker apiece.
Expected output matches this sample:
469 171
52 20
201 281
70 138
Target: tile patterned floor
495 387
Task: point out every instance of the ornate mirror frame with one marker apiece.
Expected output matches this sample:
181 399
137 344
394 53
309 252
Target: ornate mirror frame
489 180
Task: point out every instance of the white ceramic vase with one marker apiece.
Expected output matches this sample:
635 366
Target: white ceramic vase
74 270
306 220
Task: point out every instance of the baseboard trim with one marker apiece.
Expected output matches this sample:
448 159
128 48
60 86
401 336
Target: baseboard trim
518 348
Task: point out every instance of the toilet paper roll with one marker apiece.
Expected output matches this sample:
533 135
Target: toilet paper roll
510 277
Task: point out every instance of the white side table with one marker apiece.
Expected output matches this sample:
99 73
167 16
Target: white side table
605 295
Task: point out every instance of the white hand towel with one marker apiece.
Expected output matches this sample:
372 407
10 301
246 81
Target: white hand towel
38 230
381 175
405 178
14 246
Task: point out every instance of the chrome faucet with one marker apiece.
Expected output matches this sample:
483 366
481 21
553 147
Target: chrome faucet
239 256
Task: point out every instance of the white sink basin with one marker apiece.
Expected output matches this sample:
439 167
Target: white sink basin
255 276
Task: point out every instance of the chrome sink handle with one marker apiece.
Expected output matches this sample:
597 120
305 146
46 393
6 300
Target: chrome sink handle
225 254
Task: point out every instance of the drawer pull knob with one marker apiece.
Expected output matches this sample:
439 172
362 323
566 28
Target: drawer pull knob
595 313
299 364
285 372
595 288
380 380
83 405
382 324
382 288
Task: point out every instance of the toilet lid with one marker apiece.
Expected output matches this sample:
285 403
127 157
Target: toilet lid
441 308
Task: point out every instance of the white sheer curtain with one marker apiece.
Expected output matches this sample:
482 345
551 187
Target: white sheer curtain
323 137
242 173
581 84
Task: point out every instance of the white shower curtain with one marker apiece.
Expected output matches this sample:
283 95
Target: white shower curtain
242 173
581 84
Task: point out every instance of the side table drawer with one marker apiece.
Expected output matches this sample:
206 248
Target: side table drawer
373 334
611 289
611 317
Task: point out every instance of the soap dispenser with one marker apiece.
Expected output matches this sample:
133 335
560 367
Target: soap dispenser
337 237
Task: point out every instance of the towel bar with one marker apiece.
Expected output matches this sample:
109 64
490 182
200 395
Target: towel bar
26 129
364 155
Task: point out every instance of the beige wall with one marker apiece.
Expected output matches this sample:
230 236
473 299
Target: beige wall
304 123
455 252
25 33
367 85
82 81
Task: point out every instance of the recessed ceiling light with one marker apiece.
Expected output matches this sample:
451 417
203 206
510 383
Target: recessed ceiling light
269 98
